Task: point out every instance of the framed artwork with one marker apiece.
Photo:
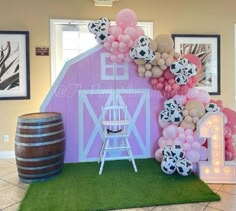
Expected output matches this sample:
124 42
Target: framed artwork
207 49
14 65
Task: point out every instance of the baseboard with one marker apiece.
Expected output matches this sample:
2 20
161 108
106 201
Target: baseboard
7 154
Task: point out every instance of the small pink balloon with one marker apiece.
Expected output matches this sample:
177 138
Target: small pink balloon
131 44
177 142
125 18
127 58
169 142
196 145
181 99
126 39
139 31
203 153
161 142
189 132
228 155
115 45
110 39
180 130
189 139
186 147
193 155
121 56
181 137
195 168
158 155
107 45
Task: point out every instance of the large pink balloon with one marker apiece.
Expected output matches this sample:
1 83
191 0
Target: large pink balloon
125 18
194 60
231 119
193 155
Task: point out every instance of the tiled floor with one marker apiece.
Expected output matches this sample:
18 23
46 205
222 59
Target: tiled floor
12 192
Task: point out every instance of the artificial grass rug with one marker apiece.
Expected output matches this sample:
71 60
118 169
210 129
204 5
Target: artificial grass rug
79 187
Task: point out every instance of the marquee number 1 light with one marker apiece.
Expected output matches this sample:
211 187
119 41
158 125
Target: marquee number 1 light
216 169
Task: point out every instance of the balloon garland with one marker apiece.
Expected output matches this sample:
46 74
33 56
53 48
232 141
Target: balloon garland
175 76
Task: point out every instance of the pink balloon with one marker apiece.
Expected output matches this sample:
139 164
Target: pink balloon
203 153
158 155
194 60
162 124
180 99
115 45
177 142
127 58
139 31
193 155
110 39
168 74
162 142
131 44
121 56
189 132
180 130
171 131
182 137
186 147
229 147
169 142
199 139
192 94
195 167
204 96
231 119
196 145
228 155
228 132
115 31
125 18
107 45
189 139
126 39
131 32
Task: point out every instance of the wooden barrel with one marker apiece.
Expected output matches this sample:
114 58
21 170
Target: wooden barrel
39 146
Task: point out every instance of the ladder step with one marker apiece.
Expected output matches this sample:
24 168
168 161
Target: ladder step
117 148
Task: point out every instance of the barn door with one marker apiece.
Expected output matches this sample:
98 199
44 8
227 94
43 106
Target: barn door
90 130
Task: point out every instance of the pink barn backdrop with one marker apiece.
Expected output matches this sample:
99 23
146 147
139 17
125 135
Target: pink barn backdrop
90 81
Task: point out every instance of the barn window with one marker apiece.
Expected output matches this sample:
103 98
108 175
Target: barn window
113 71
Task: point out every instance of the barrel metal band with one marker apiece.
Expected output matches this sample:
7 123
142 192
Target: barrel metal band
37 120
39 126
39 159
39 175
38 167
39 144
39 135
